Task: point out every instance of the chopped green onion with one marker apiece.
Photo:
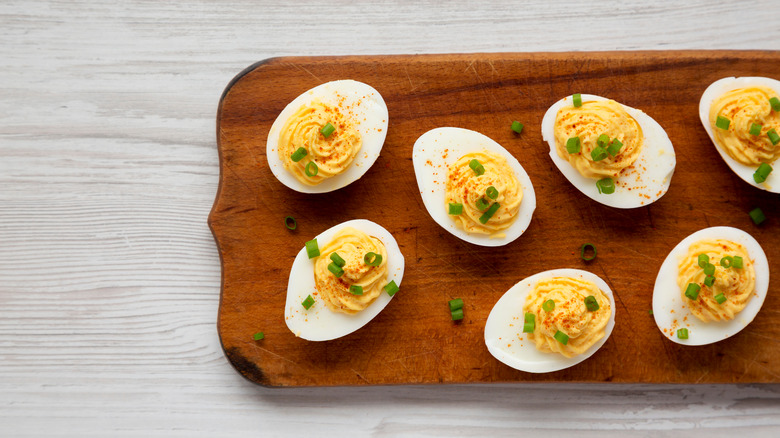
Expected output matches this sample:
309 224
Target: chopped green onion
356 290
603 140
337 260
488 214
482 204
312 250
726 262
529 317
577 98
258 336
298 154
562 337
456 208
455 304
775 103
774 137
530 322
311 169
606 186
598 153
709 269
757 215
477 167
327 130
722 122
755 129
614 147
761 173
290 223
682 333
517 127
591 303
372 259
492 192
573 145
457 315
335 269
308 302
391 288
548 305
736 262
708 280
584 249
720 298
692 291
704 260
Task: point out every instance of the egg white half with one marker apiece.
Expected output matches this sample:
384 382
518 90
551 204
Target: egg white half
370 118
504 335
657 159
713 92
430 167
319 323
669 305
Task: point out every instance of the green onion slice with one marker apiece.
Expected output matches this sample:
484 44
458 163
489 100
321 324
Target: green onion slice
290 223
489 213
774 137
584 248
529 317
456 304
482 204
709 269
704 260
755 129
492 192
477 167
528 327
456 208
327 130
337 260
761 173
356 289
258 336
335 270
682 333
720 298
757 215
602 140
457 314
372 259
308 302
311 169
562 337
517 127
591 303
298 154
312 250
692 291
573 145
606 186
736 262
775 103
598 153
722 122
391 288
708 280
548 305
614 147
727 261
577 99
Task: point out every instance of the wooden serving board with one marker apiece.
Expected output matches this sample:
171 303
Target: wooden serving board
413 340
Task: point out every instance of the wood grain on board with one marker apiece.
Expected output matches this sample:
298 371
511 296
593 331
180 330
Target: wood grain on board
413 340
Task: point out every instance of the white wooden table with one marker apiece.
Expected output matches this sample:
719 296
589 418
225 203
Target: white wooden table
109 277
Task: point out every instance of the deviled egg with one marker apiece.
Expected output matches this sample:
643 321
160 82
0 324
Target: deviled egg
328 137
710 286
551 320
473 187
614 154
742 118
342 279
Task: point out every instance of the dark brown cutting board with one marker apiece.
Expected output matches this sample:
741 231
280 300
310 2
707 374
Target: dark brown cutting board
413 340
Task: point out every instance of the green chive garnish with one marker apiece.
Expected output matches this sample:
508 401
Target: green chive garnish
548 305
736 262
708 280
308 302
577 99
530 323
761 173
692 291
356 290
709 269
598 153
755 129
757 215
477 167
517 127
591 303
726 262
492 192
775 103
614 147
290 223
602 140
586 247
372 259
457 315
573 145
456 208
704 260
311 169
258 336
482 204
722 122
720 298
335 270
489 213
606 186
562 337
773 136
337 260
682 333
298 154
455 304
391 288
312 250
327 130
